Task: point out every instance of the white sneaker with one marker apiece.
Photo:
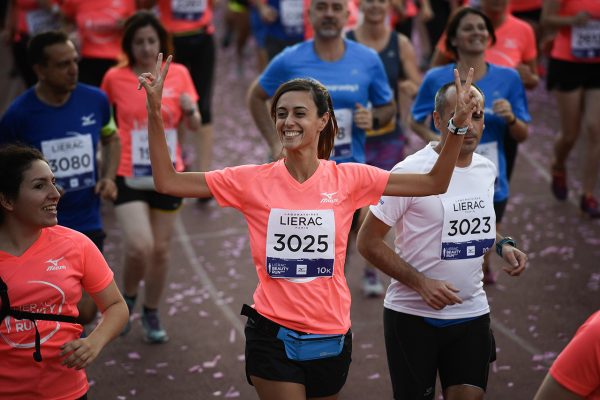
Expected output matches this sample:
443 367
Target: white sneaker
371 287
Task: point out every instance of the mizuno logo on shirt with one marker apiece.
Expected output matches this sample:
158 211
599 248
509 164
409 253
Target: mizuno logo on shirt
328 198
54 265
87 120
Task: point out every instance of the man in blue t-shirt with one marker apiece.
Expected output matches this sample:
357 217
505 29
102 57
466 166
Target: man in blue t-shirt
67 120
353 74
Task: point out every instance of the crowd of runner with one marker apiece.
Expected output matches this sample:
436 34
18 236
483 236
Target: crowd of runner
341 85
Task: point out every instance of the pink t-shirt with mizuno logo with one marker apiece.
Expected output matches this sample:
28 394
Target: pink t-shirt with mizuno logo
47 278
298 236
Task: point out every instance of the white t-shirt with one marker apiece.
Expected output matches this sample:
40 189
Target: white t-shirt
443 236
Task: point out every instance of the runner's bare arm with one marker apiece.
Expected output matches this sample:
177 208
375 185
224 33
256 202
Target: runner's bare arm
438 179
166 179
552 20
372 245
552 390
80 353
514 257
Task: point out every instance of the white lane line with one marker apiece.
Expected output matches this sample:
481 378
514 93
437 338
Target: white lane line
190 252
524 344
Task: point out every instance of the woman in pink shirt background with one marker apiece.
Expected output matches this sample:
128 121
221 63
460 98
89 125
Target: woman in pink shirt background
146 217
45 268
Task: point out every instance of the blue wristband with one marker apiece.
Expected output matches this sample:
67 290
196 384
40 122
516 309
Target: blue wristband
502 242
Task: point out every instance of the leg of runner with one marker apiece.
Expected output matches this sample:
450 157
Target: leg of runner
463 392
591 126
274 390
133 218
570 105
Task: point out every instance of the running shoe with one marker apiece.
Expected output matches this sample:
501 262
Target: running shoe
559 184
153 331
130 305
371 286
589 206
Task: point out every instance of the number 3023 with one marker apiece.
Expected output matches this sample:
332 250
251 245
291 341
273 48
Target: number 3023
307 243
466 226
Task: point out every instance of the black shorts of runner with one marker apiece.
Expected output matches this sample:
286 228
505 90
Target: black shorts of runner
92 70
417 351
97 237
566 76
197 53
266 358
529 15
499 208
154 199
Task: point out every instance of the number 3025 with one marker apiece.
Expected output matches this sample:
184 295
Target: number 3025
294 243
466 226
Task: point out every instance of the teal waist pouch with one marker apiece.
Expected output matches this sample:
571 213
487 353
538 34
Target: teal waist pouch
304 347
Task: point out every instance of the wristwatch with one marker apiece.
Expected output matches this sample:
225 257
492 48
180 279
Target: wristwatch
502 242
456 130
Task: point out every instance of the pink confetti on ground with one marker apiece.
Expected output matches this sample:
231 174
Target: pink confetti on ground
232 393
213 363
195 368
549 355
374 376
218 375
232 336
134 356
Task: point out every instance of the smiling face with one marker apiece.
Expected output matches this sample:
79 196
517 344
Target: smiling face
35 204
328 17
145 47
297 122
472 36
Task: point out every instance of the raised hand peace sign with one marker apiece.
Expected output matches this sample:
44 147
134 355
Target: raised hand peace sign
467 101
153 83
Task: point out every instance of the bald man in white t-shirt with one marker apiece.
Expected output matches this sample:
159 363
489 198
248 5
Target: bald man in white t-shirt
436 318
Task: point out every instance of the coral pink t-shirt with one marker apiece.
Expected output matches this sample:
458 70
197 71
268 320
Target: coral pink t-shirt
587 38
298 236
47 278
525 5
120 85
100 24
515 44
183 16
577 368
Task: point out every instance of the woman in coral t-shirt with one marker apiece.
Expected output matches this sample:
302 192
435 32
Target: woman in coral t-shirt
573 77
299 210
147 217
43 270
99 24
